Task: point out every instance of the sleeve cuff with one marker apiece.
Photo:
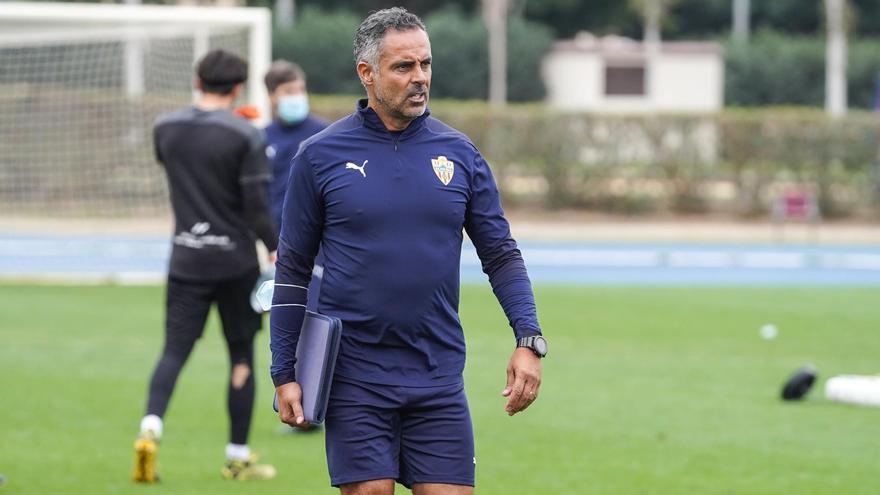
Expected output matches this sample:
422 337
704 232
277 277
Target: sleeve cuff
283 377
271 244
526 331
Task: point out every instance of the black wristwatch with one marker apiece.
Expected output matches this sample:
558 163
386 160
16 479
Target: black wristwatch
536 343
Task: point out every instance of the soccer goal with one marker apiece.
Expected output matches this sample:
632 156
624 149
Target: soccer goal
80 86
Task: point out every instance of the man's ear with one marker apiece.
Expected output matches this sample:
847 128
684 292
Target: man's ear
198 83
366 73
236 90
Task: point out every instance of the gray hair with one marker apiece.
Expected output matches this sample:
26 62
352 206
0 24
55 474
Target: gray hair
371 32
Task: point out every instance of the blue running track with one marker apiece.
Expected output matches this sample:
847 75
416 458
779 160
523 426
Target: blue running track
134 259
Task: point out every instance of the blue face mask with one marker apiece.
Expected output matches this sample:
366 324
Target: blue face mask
293 109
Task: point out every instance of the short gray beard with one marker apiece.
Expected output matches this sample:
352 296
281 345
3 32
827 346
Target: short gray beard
398 112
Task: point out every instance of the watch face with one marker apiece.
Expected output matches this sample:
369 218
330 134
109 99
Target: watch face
540 345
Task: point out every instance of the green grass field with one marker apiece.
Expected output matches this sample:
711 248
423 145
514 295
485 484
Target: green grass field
646 391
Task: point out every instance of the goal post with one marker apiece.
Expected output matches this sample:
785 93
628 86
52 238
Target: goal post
81 85
137 22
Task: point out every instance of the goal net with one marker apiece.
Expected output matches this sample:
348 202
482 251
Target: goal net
81 85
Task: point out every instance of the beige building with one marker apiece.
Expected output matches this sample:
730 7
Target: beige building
620 75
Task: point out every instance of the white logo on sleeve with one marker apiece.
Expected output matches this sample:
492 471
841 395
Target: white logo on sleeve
360 169
200 228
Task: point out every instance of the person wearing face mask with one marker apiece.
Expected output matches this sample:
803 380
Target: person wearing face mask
291 125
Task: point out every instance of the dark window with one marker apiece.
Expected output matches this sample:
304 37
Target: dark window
625 81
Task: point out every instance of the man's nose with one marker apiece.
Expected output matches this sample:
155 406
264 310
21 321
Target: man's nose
420 77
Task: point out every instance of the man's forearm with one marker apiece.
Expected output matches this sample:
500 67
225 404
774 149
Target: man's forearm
292 277
513 289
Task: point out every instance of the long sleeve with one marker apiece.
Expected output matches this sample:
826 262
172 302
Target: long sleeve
253 178
501 259
156 149
256 211
300 238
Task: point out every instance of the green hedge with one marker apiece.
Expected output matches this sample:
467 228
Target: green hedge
461 61
321 42
734 163
773 69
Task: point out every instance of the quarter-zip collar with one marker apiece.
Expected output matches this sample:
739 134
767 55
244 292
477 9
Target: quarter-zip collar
372 121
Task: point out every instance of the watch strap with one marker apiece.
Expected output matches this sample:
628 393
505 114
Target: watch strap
529 342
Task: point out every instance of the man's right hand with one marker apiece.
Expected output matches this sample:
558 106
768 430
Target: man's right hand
290 405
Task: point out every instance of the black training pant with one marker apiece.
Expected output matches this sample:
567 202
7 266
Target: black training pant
187 307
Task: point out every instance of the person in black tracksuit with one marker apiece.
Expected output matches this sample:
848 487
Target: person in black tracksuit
217 175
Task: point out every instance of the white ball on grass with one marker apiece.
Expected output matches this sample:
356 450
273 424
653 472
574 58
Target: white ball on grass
769 331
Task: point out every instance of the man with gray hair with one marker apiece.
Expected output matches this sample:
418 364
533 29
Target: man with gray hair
386 193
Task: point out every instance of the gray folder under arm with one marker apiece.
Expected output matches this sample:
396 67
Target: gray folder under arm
315 361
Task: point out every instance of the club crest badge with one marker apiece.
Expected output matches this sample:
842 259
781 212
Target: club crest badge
444 169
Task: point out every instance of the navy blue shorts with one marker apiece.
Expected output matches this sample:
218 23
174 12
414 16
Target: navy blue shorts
408 434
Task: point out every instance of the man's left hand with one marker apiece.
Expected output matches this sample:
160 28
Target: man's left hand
523 380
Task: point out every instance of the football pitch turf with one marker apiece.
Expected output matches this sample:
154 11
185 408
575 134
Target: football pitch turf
646 391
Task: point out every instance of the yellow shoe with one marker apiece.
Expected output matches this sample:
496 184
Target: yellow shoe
248 470
146 449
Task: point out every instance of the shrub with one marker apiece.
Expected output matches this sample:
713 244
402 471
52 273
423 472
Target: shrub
321 43
461 59
669 163
773 69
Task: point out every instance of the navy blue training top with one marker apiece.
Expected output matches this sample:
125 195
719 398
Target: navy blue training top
388 210
283 141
